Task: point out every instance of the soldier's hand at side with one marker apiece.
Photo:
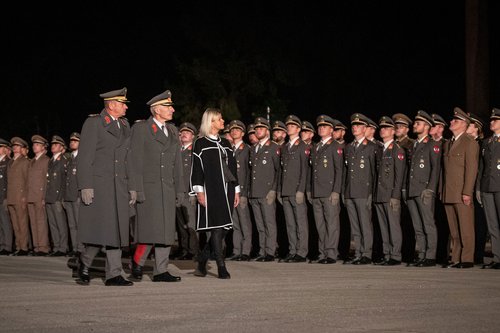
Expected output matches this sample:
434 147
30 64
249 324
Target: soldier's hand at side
426 196
395 204
192 200
299 198
334 198
478 198
236 199
369 202
141 197
466 199
270 197
133 198
309 197
201 198
87 195
243 202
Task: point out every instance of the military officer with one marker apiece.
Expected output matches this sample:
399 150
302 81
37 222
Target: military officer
37 186
186 210
278 132
360 177
460 157
242 224
423 178
72 200
252 139
371 129
56 182
294 160
391 169
157 177
264 179
488 186
17 195
307 133
227 135
443 231
339 132
326 186
5 223
103 181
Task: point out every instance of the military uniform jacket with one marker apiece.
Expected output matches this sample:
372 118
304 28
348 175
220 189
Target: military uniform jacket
156 170
391 166
3 178
327 169
208 156
265 169
425 167
56 179
461 161
242 156
37 178
102 166
71 185
295 167
186 157
17 181
489 166
360 170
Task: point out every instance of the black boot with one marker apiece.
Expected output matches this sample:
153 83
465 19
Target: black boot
216 241
223 273
83 273
201 270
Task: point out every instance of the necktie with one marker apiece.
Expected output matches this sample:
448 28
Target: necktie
452 141
319 146
356 143
164 130
259 146
117 123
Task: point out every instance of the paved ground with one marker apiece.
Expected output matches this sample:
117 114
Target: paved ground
40 295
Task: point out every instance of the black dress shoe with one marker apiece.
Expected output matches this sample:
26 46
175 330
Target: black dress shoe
363 261
288 258
452 265
57 254
223 273
329 260
166 277
20 253
186 256
83 274
349 261
466 264
136 270
260 258
380 262
268 258
392 262
490 265
321 261
118 281
40 254
4 252
427 263
298 258
235 257
244 257
415 262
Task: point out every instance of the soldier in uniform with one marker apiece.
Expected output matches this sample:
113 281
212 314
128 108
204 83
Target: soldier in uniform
71 196
326 185
242 223
295 166
402 125
37 186
17 195
56 182
423 178
252 139
339 132
371 129
157 177
227 135
360 177
443 231
391 170
475 130
461 159
488 186
307 133
5 224
186 210
103 182
278 132
264 179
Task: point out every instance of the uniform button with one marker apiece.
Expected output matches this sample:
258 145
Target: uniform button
116 161
116 174
162 166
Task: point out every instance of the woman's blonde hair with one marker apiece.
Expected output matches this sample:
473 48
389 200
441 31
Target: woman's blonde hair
206 121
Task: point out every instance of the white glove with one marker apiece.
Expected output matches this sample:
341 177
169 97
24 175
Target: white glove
87 195
426 196
395 204
334 198
133 198
299 198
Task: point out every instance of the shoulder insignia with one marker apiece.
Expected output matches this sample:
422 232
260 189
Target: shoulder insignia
365 141
154 127
426 139
139 121
390 146
107 119
297 143
401 156
242 146
436 149
93 114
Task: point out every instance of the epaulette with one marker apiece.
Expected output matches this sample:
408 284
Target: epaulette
93 115
139 120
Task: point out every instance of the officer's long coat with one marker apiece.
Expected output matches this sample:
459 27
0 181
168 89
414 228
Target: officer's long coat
360 170
425 167
208 156
102 166
156 170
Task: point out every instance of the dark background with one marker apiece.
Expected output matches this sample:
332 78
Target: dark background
373 57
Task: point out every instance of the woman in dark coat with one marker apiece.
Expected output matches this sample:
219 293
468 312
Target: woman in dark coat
216 187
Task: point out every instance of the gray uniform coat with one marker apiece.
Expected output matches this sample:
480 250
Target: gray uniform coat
102 166
327 169
295 167
71 186
360 174
391 170
156 170
425 167
265 169
56 179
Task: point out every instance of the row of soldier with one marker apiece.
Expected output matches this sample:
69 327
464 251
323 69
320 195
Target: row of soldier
391 176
